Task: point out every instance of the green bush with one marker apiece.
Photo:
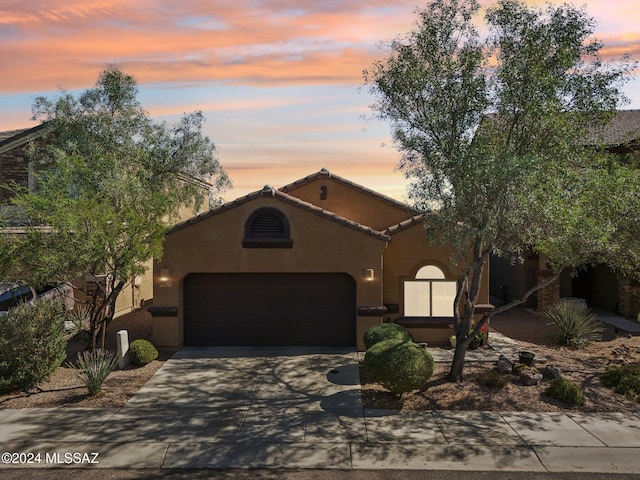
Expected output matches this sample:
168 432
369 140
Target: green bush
399 366
142 352
386 331
93 368
566 391
572 324
493 379
32 344
624 379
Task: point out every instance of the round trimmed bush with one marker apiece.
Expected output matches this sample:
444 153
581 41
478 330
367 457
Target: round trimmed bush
399 366
142 352
386 331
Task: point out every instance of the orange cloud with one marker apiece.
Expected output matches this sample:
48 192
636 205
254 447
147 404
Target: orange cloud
65 43
56 43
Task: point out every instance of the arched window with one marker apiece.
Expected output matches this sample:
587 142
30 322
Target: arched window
429 294
267 228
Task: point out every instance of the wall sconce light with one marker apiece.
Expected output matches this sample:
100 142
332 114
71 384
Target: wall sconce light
323 192
165 281
368 274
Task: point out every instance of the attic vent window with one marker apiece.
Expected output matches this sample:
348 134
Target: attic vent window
267 228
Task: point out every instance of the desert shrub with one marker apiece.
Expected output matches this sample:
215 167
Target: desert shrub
142 352
386 331
493 379
518 367
566 391
78 323
572 324
32 344
399 366
624 379
94 367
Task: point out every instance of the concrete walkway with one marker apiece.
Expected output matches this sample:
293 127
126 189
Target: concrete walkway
616 324
302 408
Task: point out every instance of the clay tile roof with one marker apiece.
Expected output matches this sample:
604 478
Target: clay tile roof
268 191
325 173
408 223
623 128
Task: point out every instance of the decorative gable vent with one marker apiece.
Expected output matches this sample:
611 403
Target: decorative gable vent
267 228
268 225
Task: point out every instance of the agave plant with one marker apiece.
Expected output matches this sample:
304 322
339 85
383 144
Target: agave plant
94 367
573 324
77 323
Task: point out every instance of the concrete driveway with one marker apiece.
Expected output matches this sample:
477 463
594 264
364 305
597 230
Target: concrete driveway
241 377
279 397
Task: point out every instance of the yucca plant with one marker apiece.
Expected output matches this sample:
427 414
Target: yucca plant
94 367
573 324
77 324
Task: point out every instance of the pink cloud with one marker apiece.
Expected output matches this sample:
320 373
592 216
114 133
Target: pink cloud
53 43
64 43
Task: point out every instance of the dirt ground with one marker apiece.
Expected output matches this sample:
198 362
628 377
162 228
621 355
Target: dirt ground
583 366
64 388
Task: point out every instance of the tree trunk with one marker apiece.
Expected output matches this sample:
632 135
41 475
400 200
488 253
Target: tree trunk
457 366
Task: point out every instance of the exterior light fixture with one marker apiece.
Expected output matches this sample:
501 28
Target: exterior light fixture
165 281
368 274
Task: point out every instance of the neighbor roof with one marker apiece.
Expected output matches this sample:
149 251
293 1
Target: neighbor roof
15 138
623 128
269 191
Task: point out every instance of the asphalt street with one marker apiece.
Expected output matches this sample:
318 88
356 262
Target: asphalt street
306 474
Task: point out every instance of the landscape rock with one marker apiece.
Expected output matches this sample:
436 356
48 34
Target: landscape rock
552 372
529 377
504 364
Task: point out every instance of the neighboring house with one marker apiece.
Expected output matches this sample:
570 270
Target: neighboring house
316 262
15 166
598 284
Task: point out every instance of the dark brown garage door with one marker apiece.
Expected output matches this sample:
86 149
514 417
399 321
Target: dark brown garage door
269 309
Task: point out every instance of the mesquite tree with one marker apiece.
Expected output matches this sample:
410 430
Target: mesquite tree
109 181
493 131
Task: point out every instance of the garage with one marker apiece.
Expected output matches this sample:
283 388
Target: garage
269 309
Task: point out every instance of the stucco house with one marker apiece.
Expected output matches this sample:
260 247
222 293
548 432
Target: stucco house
315 262
598 285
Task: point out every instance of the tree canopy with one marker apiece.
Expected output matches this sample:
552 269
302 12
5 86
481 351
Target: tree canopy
494 135
109 181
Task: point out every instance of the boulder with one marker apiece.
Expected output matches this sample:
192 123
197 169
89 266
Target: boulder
552 372
529 377
504 364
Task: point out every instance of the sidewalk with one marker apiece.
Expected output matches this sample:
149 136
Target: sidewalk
369 439
300 408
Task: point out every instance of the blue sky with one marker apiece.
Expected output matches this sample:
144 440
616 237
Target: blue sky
280 82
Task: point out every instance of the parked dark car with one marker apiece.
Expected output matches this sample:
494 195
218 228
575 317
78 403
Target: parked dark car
11 295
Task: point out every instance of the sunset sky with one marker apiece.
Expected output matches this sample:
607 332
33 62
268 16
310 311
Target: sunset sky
279 81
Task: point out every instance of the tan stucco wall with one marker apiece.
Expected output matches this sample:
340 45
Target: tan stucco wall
136 292
214 245
348 202
408 250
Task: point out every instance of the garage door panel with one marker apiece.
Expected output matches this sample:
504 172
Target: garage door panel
269 309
